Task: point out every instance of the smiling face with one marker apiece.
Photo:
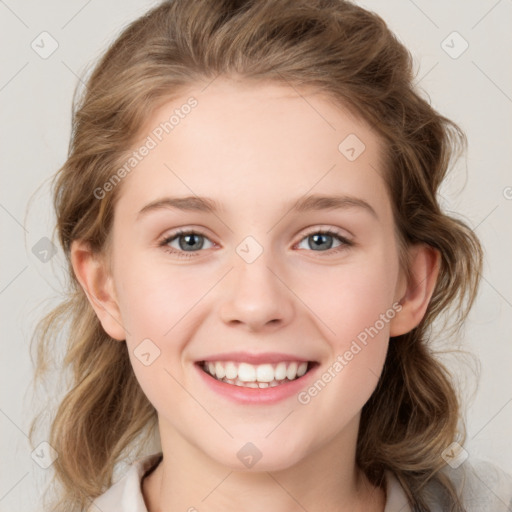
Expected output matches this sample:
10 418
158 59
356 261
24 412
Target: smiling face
257 276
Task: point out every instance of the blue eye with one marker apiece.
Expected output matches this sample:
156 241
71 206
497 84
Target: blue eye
188 242
323 238
191 242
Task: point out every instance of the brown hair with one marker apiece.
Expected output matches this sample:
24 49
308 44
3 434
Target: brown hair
333 47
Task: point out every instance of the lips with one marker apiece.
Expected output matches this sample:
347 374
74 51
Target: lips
255 368
256 392
230 371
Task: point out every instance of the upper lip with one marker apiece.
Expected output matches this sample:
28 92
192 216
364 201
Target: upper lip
245 357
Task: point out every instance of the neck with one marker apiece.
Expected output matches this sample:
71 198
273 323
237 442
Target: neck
187 479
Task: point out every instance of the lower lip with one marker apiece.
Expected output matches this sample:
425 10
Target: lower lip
245 395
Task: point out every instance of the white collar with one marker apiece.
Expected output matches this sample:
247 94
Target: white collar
127 492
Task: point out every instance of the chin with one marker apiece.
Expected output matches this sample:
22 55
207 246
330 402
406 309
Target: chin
259 455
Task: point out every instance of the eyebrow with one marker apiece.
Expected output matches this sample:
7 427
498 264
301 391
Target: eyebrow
309 203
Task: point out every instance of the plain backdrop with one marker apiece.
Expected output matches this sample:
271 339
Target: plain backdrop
472 86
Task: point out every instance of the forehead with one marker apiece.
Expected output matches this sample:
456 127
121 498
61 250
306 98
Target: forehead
262 143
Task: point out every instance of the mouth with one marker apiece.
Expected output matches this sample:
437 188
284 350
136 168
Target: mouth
248 375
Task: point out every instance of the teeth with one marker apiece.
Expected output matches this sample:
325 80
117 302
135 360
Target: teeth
246 372
231 371
280 371
220 371
301 370
291 372
249 375
264 373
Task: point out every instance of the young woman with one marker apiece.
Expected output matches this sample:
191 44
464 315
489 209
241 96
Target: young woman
256 257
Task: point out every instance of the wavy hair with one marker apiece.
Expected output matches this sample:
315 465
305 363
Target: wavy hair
331 46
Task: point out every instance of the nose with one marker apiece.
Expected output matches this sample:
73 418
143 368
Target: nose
255 295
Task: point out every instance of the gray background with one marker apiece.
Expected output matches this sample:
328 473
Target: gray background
473 88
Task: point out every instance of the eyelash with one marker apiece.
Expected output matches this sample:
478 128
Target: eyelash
345 243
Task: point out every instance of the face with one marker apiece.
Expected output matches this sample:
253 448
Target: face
256 280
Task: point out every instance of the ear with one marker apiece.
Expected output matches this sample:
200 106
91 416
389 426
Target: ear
91 271
417 291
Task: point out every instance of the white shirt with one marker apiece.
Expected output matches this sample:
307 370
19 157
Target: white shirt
485 488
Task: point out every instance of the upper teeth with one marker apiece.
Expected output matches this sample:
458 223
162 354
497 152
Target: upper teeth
246 372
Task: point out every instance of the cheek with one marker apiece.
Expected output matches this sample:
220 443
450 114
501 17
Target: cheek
350 298
159 304
358 338
355 305
153 300
345 302
153 311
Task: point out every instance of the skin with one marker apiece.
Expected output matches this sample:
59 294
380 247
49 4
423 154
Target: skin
256 148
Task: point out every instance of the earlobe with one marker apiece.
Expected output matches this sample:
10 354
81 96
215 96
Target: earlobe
424 270
91 272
